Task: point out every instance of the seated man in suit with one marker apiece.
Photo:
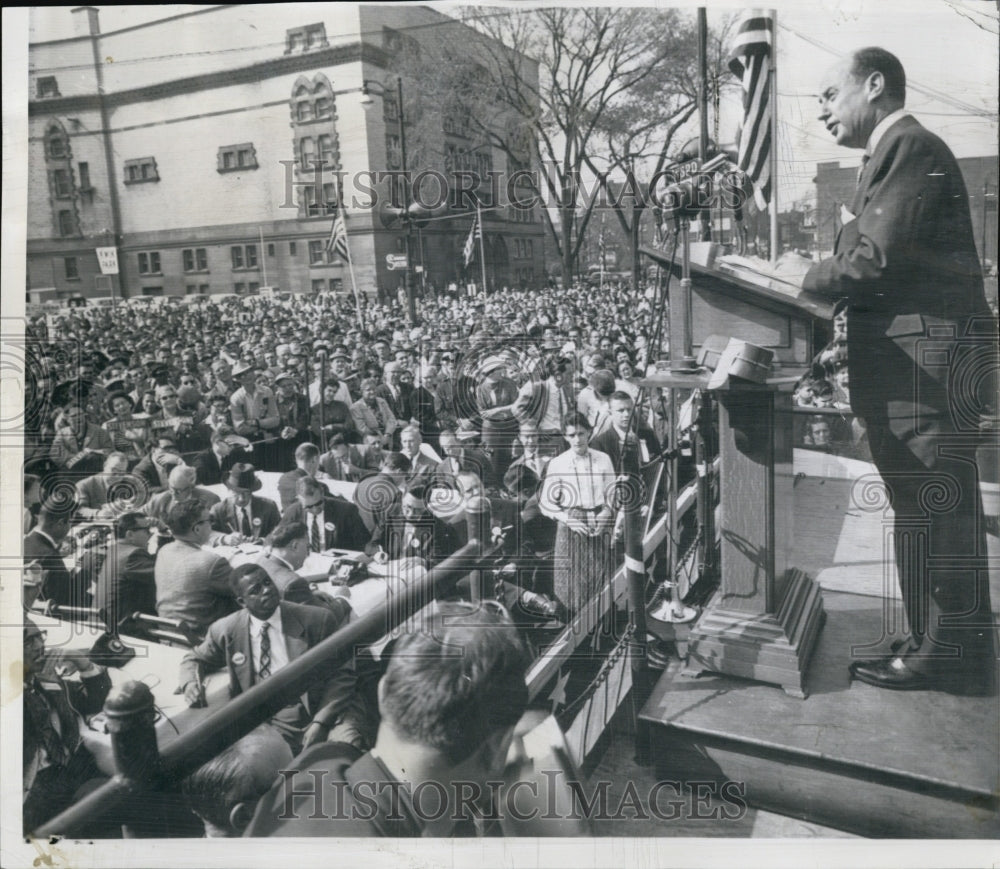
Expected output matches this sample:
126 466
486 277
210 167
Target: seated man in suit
41 546
413 532
288 550
422 463
261 638
155 468
378 496
333 522
212 465
182 488
426 690
459 456
56 763
307 464
243 516
192 584
95 493
343 461
126 583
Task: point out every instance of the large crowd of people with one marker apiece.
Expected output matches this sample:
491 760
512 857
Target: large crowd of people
149 426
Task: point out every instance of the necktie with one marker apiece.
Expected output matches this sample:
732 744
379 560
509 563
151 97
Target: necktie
265 651
559 398
864 162
315 538
245 523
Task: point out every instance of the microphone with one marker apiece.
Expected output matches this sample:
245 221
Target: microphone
692 193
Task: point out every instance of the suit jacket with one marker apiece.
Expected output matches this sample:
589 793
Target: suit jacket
533 402
422 410
338 418
126 584
366 422
227 644
905 264
66 444
350 533
609 442
192 585
376 497
432 539
506 393
58 584
225 519
421 468
332 467
92 494
474 460
286 486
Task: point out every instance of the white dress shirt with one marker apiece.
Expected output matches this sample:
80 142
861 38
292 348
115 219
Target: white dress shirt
279 651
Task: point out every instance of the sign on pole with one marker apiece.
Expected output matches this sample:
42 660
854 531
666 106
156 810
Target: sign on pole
107 258
395 261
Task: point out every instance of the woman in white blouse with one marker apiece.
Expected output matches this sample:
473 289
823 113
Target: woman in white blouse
578 493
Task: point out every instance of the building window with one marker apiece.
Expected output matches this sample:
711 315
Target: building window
292 248
318 285
56 143
336 285
270 249
244 256
253 287
152 291
304 112
323 108
149 263
141 170
61 187
47 87
307 153
84 173
195 259
307 38
311 207
196 290
327 153
315 253
72 272
330 197
232 158
240 288
66 223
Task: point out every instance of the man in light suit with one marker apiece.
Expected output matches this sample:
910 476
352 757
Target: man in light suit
262 638
243 515
906 267
181 483
289 549
545 403
192 584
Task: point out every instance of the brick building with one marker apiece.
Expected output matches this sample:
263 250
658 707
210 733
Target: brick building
189 144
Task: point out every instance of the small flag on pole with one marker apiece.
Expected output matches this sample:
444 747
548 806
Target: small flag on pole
470 243
337 242
750 62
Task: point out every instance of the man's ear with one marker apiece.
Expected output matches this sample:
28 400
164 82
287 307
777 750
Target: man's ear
875 86
240 816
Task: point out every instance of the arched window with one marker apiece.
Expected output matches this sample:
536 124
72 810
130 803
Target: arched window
56 142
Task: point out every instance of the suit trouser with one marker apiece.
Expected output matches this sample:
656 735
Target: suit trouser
939 544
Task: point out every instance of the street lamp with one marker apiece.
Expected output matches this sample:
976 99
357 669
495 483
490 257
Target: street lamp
406 216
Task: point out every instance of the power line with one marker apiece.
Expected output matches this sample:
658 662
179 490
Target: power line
913 85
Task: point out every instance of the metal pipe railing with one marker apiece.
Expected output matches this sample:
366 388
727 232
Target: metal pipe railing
243 713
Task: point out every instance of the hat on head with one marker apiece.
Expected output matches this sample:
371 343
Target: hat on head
242 367
132 521
188 396
243 476
284 377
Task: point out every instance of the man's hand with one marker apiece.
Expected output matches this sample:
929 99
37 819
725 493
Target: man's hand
314 733
194 694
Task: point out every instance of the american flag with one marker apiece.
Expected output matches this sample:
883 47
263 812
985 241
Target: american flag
337 242
750 61
470 243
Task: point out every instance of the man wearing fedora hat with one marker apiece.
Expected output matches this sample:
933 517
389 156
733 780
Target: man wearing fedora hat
241 515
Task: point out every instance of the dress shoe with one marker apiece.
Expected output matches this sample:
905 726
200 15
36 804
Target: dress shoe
892 673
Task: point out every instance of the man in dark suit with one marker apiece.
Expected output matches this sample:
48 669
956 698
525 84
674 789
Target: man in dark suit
905 265
259 640
243 515
344 461
378 496
212 465
41 545
414 532
126 583
56 763
333 522
288 550
628 437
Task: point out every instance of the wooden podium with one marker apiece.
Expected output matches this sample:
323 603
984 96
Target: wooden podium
764 620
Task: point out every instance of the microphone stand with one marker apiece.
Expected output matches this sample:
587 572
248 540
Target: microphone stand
321 355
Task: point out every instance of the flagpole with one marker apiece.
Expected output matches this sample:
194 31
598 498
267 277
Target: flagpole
354 284
773 97
482 244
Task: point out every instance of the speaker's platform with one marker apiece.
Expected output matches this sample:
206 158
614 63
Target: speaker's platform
906 764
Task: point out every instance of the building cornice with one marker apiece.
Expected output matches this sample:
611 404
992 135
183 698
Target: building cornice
274 68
